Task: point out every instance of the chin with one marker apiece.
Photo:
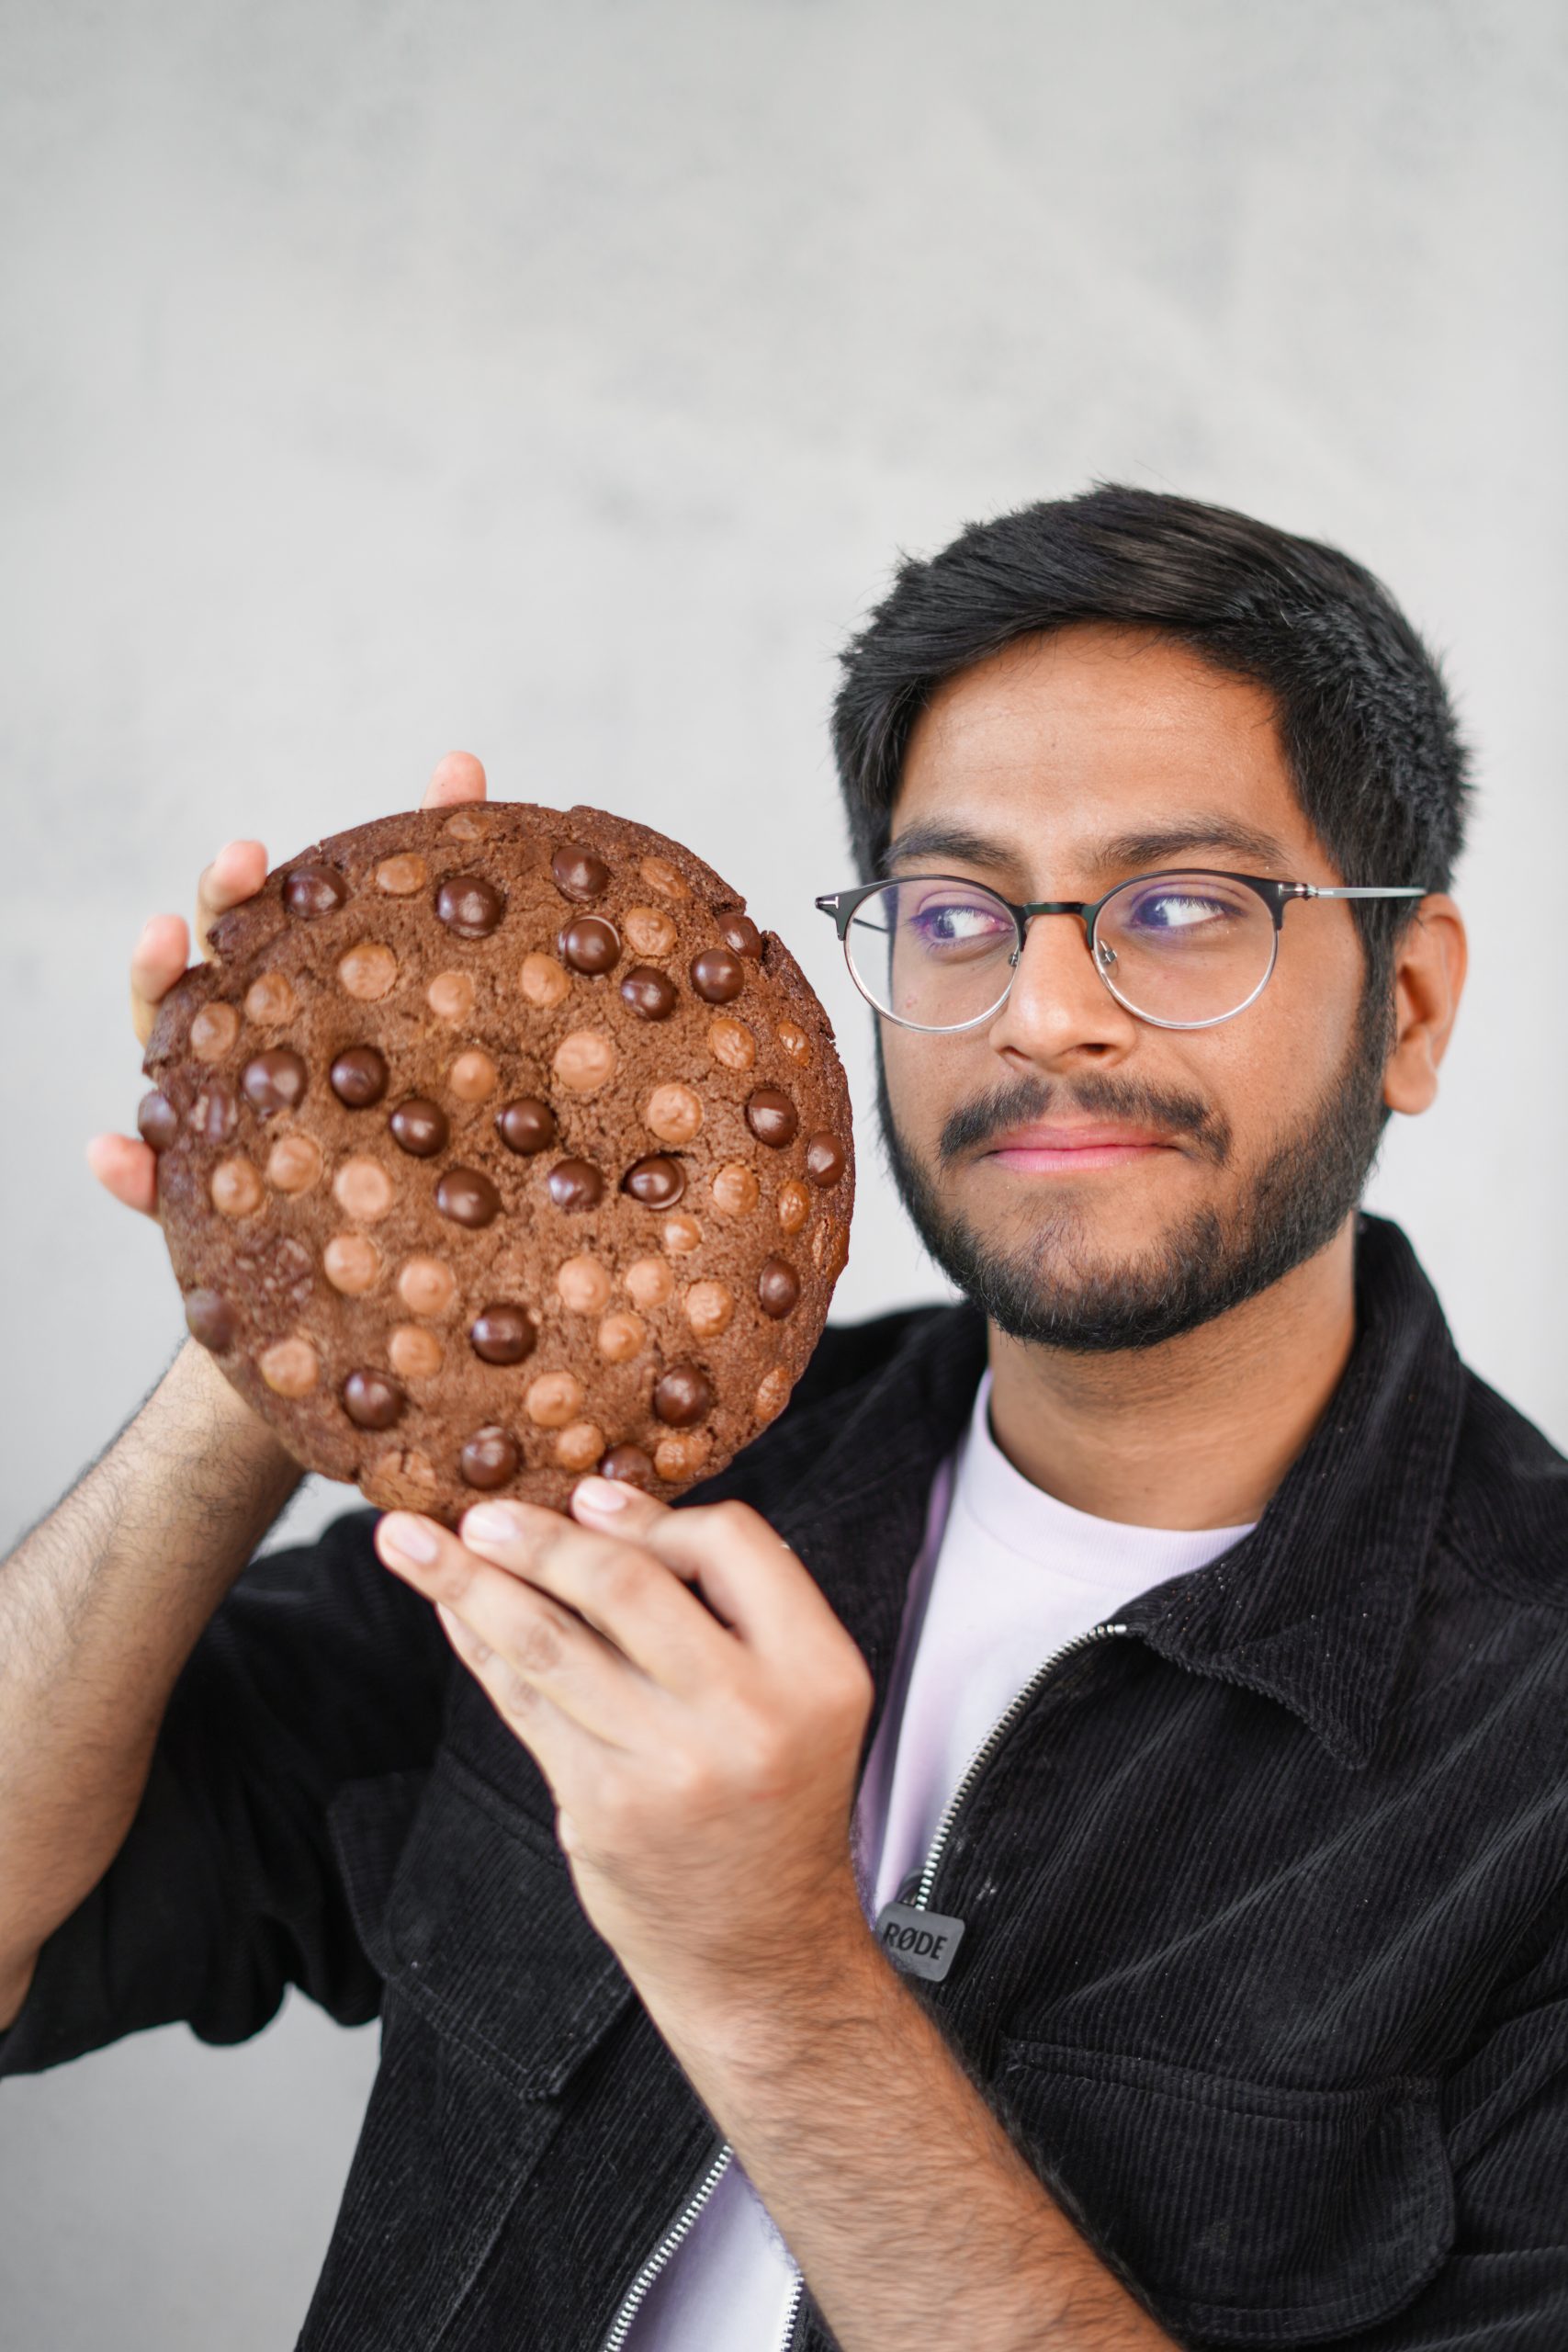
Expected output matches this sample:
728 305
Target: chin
1076 1232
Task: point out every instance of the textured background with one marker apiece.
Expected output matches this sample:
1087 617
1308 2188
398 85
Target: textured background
559 383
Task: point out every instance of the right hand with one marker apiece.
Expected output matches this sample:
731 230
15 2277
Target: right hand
124 1166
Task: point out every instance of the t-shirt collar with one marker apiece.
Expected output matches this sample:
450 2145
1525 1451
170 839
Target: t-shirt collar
1032 1522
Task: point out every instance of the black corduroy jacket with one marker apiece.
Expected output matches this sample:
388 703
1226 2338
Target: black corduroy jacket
1266 1896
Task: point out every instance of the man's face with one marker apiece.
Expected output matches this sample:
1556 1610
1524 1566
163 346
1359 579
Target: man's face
1091 1180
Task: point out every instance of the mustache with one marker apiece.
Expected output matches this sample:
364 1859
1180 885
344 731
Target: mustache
1091 1096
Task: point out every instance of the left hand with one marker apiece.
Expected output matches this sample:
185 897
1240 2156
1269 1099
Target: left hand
702 1758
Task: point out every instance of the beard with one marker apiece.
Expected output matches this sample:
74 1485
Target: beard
1050 1293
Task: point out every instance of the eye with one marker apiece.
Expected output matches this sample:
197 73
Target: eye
958 921
1176 910
954 925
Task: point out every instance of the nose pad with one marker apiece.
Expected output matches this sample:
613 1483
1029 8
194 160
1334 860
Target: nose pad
1104 955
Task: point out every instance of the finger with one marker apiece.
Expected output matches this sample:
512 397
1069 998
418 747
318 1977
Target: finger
743 1567
127 1169
533 1640
457 777
567 1756
236 873
157 961
617 1586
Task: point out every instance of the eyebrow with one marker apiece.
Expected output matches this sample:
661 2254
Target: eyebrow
1150 847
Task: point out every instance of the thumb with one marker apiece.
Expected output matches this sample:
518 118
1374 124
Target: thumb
457 777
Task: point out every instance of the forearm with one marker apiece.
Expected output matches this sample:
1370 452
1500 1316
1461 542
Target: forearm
703 1799
894 2185
100 1606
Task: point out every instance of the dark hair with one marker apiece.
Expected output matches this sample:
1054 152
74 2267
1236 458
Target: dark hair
1364 716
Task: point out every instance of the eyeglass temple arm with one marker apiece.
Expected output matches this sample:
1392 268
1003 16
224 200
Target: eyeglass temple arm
842 904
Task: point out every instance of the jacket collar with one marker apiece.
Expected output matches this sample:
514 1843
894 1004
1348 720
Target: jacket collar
1312 1609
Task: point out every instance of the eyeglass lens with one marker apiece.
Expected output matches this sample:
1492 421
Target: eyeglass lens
1181 948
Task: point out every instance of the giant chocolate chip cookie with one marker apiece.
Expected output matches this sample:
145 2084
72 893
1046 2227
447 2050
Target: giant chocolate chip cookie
495 1146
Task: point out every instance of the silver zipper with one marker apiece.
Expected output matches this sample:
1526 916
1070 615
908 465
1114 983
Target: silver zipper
921 1899
678 2230
792 2318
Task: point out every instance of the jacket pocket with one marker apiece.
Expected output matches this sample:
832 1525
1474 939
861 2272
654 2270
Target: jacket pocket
1247 2213
468 1909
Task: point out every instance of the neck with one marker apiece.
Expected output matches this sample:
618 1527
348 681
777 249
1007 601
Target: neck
1197 1432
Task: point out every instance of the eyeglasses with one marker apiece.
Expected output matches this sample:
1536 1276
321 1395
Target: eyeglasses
1183 950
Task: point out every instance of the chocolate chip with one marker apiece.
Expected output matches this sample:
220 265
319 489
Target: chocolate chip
289 1367
235 1188
467 1197
717 974
684 1396
650 994
501 1335
469 905
214 1114
450 996
629 1462
589 943
419 1127
771 1116
275 1080
371 1400
473 1076
213 1030
778 1287
579 873
583 1060
368 972
490 1458
575 1184
313 891
426 1285
527 1124
362 1188
656 1182
741 933
294 1163
209 1319
157 1121
823 1160
359 1077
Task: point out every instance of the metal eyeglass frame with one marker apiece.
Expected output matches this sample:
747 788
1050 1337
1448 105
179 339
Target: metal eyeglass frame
1276 897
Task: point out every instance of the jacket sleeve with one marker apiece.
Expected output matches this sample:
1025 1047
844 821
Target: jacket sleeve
319 1669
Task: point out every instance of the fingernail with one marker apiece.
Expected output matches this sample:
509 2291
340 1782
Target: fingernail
602 1494
492 1522
410 1538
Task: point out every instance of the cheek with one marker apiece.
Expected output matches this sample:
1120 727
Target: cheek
1313 1002
926 1077
1274 1064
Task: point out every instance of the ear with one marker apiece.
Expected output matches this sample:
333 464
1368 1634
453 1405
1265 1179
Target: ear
1428 980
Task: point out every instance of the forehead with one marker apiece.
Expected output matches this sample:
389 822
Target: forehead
1063 743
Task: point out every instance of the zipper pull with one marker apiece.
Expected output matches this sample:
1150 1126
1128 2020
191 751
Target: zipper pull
920 1943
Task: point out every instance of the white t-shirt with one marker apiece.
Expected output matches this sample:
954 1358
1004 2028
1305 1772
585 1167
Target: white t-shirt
1006 1575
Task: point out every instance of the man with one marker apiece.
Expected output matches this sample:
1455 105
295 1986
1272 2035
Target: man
1166 1647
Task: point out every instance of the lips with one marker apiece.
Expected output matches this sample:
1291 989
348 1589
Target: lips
1066 1147
1070 1135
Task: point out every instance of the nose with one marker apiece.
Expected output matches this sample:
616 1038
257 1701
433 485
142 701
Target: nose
1059 1012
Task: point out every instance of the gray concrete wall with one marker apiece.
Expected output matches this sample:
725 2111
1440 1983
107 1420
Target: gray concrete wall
558 382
